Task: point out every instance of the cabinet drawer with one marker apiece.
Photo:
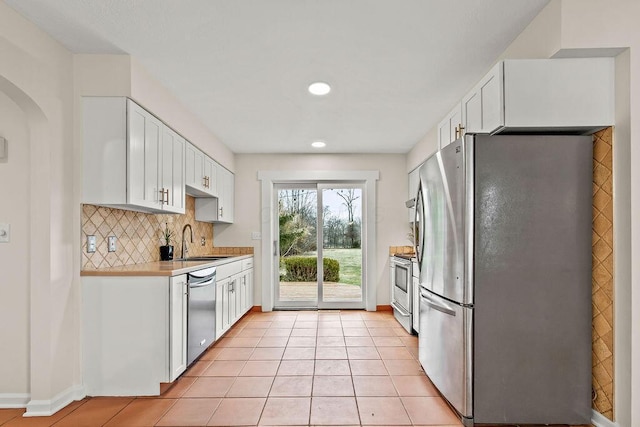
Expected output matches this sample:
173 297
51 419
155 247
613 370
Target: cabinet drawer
247 264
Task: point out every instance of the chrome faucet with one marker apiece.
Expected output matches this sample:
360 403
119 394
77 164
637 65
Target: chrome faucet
185 249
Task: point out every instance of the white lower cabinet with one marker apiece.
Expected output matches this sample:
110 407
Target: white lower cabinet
134 333
234 293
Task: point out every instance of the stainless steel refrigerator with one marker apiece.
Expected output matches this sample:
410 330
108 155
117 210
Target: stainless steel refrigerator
504 246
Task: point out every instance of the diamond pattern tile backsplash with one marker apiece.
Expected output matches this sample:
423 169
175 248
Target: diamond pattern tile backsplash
602 279
139 236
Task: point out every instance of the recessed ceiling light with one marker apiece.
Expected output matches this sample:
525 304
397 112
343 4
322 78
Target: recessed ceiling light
319 88
318 144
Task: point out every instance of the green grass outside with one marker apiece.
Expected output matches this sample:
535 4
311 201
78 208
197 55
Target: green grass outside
350 264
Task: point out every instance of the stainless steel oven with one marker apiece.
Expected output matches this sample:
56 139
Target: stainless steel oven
401 293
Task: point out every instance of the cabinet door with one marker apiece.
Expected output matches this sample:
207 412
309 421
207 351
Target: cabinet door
483 107
222 307
144 133
449 127
172 172
194 170
248 290
178 326
226 186
210 176
233 299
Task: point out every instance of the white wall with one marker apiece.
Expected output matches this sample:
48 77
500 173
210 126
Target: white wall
14 256
392 222
36 74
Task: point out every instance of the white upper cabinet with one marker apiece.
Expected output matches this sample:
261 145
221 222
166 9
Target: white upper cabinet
131 160
563 95
221 208
449 127
200 173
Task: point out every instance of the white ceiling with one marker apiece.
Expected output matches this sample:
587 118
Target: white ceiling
243 66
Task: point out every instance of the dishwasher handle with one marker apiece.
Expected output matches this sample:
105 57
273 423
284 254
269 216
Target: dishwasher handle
193 285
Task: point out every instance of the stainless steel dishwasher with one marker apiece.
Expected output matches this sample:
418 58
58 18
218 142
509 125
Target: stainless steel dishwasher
201 320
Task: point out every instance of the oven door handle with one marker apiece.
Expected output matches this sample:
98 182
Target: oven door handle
402 311
436 305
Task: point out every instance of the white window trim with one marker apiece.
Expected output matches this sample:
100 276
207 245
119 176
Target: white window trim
270 178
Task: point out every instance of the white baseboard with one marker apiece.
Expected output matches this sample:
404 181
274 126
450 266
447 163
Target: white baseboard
599 420
14 400
45 408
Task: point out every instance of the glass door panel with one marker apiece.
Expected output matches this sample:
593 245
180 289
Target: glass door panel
297 284
341 246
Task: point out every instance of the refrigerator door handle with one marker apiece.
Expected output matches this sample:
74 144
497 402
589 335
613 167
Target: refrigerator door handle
436 305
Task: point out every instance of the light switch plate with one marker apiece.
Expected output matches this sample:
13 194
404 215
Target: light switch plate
91 244
5 233
112 243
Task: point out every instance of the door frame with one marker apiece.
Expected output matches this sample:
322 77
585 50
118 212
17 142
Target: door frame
269 244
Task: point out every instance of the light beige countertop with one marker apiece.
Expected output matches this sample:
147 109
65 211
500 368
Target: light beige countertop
160 268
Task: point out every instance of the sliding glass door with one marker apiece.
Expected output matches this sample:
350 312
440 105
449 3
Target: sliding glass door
318 252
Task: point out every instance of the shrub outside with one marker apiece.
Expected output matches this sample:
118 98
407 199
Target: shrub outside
305 269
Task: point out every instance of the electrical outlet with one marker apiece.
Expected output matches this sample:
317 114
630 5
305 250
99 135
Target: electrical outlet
91 244
203 241
256 235
112 243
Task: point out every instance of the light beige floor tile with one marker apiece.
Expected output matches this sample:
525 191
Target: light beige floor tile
353 323
331 353
381 332
388 342
384 411
305 324
282 323
252 333
356 332
260 368
332 385
296 367
257 325
329 324
358 341
332 367
399 353
273 342
334 411
373 386
277 332
362 353
330 332
367 367
403 367
299 353
330 341
378 324
238 342
267 353
189 412
210 387
238 412
302 342
409 341
286 411
414 385
429 410
297 386
250 387
304 332
211 354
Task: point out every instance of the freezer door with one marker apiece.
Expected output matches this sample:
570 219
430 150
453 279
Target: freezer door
445 349
442 205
